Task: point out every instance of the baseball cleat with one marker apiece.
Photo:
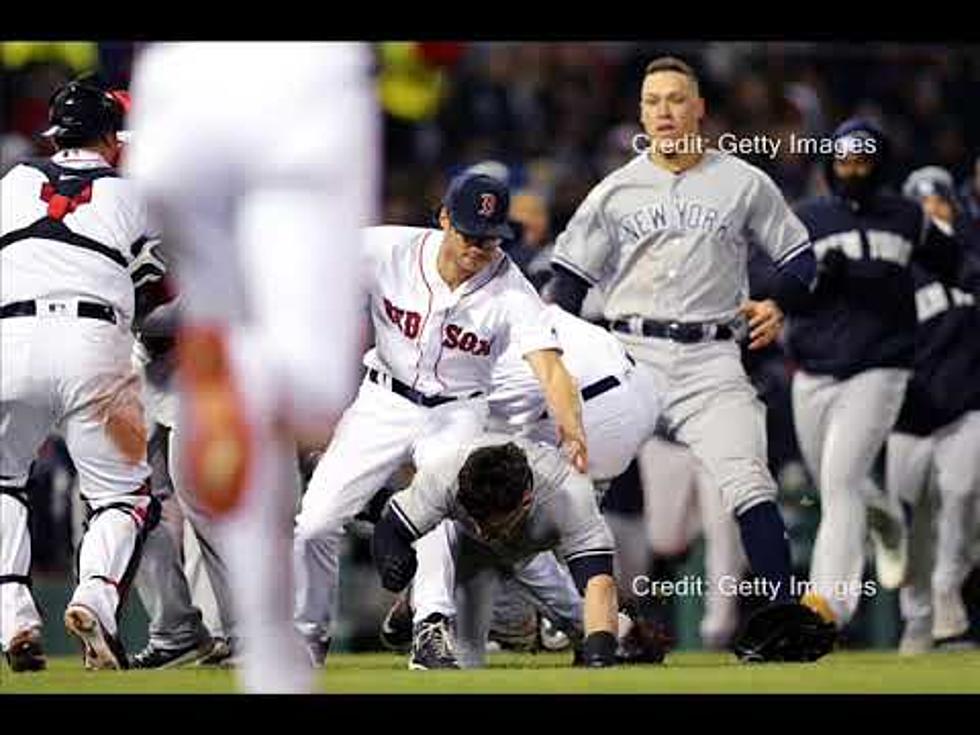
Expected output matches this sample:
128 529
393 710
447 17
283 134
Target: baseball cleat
916 637
891 544
961 642
100 650
25 653
950 619
553 638
153 657
317 649
432 647
396 628
223 654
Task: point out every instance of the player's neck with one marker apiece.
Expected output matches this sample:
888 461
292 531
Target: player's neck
450 272
677 162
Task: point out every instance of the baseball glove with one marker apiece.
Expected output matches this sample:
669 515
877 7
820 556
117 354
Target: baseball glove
646 643
784 632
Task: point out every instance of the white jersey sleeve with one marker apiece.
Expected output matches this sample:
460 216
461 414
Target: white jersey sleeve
772 224
530 328
587 244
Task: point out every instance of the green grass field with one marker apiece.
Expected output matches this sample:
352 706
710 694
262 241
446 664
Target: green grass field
685 672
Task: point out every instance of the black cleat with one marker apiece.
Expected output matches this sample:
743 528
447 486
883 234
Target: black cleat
152 657
25 653
396 628
432 647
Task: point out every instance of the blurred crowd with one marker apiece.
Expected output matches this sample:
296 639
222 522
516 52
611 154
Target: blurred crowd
552 119
559 116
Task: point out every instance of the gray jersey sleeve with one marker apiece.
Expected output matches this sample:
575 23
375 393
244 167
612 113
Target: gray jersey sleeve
425 502
583 531
586 245
772 224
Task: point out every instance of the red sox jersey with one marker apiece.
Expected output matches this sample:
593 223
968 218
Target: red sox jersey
437 340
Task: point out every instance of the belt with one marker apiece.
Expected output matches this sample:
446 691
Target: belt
416 397
593 390
85 309
599 387
687 332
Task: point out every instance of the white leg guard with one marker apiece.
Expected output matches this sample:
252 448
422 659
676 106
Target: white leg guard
17 608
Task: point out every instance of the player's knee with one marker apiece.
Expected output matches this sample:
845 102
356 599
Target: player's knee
746 483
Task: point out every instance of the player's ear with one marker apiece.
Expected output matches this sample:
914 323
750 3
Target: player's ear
443 218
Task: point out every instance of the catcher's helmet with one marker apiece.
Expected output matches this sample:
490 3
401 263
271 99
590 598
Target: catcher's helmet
80 112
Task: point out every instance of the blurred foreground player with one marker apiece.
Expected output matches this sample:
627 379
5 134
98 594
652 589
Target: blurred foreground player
259 159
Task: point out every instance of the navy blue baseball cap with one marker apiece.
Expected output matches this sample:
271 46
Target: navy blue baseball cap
478 206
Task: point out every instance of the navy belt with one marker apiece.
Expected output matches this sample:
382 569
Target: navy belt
599 387
416 397
687 332
592 390
86 310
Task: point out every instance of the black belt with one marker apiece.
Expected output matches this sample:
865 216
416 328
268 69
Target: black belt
599 387
86 309
416 397
677 331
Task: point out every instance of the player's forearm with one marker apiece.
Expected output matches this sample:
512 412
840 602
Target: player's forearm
563 398
601 608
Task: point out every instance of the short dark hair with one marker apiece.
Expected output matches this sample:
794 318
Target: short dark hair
493 480
672 63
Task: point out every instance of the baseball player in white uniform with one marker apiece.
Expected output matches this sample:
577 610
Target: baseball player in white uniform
666 238
445 304
510 499
261 160
621 400
73 234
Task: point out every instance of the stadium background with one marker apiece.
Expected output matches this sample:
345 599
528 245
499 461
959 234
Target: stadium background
554 118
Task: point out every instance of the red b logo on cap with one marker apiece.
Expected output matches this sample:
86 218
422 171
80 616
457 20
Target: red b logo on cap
488 205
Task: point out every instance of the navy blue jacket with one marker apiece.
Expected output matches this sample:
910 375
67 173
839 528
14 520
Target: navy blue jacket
946 380
862 312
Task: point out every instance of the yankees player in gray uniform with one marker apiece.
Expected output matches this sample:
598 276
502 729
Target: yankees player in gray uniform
665 237
178 632
509 498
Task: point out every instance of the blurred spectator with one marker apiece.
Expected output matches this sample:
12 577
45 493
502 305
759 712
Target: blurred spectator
970 192
79 57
